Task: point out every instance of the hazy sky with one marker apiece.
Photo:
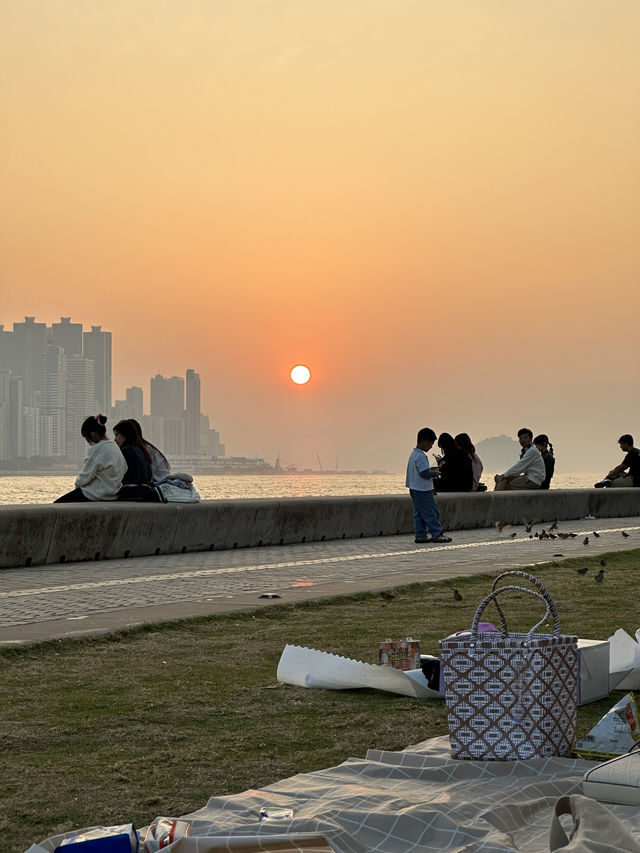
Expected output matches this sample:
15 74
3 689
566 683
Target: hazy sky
434 205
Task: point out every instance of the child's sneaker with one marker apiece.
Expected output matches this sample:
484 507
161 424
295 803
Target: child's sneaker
442 540
420 540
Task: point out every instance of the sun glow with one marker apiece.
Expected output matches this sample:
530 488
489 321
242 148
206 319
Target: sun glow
300 374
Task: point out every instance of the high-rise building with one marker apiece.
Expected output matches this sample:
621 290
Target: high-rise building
81 401
53 401
11 416
192 414
29 346
167 396
135 401
96 345
67 335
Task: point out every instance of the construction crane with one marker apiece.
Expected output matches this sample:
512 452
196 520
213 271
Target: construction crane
320 463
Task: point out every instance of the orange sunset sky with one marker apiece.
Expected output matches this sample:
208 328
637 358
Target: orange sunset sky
434 205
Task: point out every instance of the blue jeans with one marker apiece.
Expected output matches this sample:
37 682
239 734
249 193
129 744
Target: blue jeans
425 513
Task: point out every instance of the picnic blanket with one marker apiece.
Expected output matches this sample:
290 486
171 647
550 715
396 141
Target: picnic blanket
419 799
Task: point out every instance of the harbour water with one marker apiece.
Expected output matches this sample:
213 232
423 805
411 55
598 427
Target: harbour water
29 489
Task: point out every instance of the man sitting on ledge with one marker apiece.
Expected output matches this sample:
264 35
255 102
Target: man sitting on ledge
617 477
528 472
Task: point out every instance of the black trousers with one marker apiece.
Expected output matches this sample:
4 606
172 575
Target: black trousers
74 497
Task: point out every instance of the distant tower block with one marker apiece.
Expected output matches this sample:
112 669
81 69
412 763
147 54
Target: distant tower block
67 335
192 414
97 347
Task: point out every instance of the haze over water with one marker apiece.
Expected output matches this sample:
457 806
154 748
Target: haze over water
44 489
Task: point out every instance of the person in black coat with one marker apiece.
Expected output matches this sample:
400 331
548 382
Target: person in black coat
136 456
456 470
546 451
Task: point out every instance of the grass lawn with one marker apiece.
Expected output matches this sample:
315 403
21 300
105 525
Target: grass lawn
156 720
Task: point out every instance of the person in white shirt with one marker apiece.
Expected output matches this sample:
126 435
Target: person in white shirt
528 472
104 466
420 475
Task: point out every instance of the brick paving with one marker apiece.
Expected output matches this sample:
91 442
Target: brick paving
72 599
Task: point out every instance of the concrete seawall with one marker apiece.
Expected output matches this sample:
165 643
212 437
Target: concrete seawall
32 535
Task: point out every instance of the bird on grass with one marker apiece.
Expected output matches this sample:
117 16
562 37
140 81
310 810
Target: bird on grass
585 541
456 595
603 562
582 571
597 535
625 534
387 596
600 576
502 525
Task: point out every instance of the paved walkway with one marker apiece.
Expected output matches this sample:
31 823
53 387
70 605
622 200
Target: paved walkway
46 602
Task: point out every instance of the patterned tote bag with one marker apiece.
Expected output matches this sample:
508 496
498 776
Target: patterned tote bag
511 695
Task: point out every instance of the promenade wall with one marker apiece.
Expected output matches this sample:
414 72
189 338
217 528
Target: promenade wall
32 535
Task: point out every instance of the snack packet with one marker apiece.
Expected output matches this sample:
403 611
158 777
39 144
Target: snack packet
615 733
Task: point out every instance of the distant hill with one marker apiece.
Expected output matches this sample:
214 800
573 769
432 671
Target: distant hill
498 453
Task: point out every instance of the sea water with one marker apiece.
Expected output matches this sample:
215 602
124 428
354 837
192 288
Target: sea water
30 489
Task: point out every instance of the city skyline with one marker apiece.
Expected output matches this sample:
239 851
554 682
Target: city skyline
53 377
434 207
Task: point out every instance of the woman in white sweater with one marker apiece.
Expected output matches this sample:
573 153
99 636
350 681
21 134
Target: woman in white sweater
104 466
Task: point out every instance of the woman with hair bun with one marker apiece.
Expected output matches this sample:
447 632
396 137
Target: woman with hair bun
546 451
103 469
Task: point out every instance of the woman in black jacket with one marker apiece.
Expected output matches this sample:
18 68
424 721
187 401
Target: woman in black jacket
456 470
546 451
138 462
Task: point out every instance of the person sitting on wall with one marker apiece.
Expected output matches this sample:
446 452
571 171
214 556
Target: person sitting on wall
546 451
463 441
456 470
103 469
160 468
617 478
528 472
136 483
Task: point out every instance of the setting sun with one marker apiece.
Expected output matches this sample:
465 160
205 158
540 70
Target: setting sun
300 374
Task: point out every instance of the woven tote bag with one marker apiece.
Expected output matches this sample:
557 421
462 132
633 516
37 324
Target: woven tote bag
509 695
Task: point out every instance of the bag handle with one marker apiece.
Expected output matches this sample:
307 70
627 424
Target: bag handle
493 596
544 592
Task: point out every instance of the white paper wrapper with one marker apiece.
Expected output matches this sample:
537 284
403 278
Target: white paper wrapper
624 661
305 667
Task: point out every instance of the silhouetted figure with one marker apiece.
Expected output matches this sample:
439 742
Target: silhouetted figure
546 451
456 471
463 441
630 464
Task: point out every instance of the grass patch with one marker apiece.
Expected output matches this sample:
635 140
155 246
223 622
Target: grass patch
157 719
